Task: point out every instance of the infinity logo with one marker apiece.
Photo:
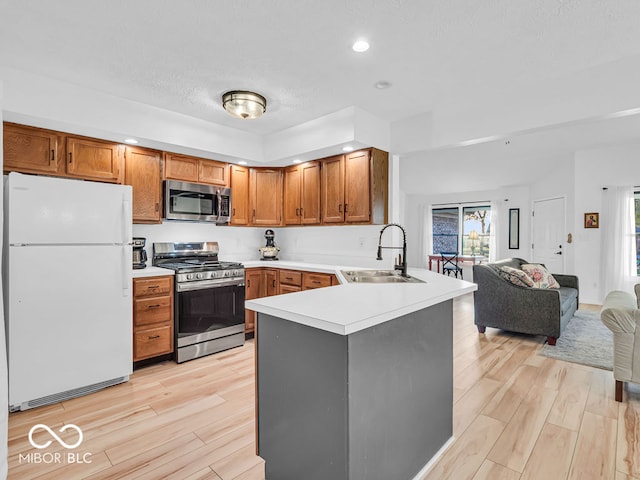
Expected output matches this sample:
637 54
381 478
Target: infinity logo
53 434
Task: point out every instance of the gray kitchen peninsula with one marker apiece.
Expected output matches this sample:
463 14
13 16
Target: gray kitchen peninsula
355 381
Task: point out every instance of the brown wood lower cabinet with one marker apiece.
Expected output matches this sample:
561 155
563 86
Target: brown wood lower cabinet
265 282
152 317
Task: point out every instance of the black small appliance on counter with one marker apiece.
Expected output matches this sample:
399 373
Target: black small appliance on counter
139 256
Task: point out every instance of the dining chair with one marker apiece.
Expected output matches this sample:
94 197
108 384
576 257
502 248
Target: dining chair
450 263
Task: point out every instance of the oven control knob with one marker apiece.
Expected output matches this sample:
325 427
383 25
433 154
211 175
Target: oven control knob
198 275
227 273
189 276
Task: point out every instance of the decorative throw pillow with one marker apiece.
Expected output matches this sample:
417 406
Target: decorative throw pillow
540 275
516 276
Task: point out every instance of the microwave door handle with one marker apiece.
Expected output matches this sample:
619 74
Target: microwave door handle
219 206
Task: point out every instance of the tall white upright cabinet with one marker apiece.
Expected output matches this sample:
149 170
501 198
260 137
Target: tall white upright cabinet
68 287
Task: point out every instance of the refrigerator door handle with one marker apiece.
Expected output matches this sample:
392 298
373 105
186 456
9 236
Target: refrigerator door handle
126 270
127 220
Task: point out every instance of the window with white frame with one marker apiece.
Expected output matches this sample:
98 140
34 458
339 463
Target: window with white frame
465 229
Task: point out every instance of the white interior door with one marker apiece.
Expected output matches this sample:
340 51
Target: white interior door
548 233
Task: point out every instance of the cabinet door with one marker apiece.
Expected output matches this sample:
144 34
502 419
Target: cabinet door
310 194
292 195
271 282
357 206
30 150
253 289
212 172
142 172
239 177
266 196
94 160
180 167
332 190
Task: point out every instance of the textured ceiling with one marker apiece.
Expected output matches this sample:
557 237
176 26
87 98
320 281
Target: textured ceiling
438 55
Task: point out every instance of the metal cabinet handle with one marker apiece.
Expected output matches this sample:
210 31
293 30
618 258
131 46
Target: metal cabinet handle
53 155
154 306
273 284
70 157
153 337
316 281
153 286
345 208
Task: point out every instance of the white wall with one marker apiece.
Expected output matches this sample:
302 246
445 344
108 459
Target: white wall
594 169
236 243
4 378
560 183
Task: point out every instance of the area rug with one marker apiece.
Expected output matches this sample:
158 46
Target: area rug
585 340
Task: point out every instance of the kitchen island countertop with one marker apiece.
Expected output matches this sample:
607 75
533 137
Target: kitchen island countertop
348 308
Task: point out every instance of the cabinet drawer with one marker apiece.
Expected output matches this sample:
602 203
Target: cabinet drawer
143 287
291 277
152 310
315 280
152 342
289 288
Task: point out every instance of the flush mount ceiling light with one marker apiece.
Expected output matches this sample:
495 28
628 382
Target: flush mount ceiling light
130 141
347 149
244 104
360 46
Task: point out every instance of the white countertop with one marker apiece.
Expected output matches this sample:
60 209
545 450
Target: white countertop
287 264
150 271
348 308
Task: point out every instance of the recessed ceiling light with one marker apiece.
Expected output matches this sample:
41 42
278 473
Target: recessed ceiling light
360 46
381 85
242 162
130 141
347 149
297 161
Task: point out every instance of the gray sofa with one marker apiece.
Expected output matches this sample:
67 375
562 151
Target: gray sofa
538 311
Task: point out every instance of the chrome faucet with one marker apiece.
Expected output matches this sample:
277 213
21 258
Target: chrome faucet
402 264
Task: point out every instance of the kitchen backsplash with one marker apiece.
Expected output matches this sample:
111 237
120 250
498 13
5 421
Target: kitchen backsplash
345 245
236 243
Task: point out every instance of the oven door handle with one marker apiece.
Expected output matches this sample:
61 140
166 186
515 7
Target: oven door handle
205 284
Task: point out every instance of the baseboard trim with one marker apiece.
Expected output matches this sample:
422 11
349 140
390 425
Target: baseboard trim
434 459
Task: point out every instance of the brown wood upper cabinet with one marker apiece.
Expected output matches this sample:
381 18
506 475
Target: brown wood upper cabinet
302 194
239 178
143 171
355 187
197 170
31 150
265 196
91 159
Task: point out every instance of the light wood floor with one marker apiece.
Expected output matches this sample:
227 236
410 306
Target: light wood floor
517 415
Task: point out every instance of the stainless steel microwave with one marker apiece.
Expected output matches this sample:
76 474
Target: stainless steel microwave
196 202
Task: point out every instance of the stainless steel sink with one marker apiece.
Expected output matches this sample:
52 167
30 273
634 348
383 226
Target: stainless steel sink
377 276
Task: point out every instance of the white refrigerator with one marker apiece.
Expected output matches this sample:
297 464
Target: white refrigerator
68 287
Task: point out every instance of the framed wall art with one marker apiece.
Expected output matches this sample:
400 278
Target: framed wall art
514 228
592 220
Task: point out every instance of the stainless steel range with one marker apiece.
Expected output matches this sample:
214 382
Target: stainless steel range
209 298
